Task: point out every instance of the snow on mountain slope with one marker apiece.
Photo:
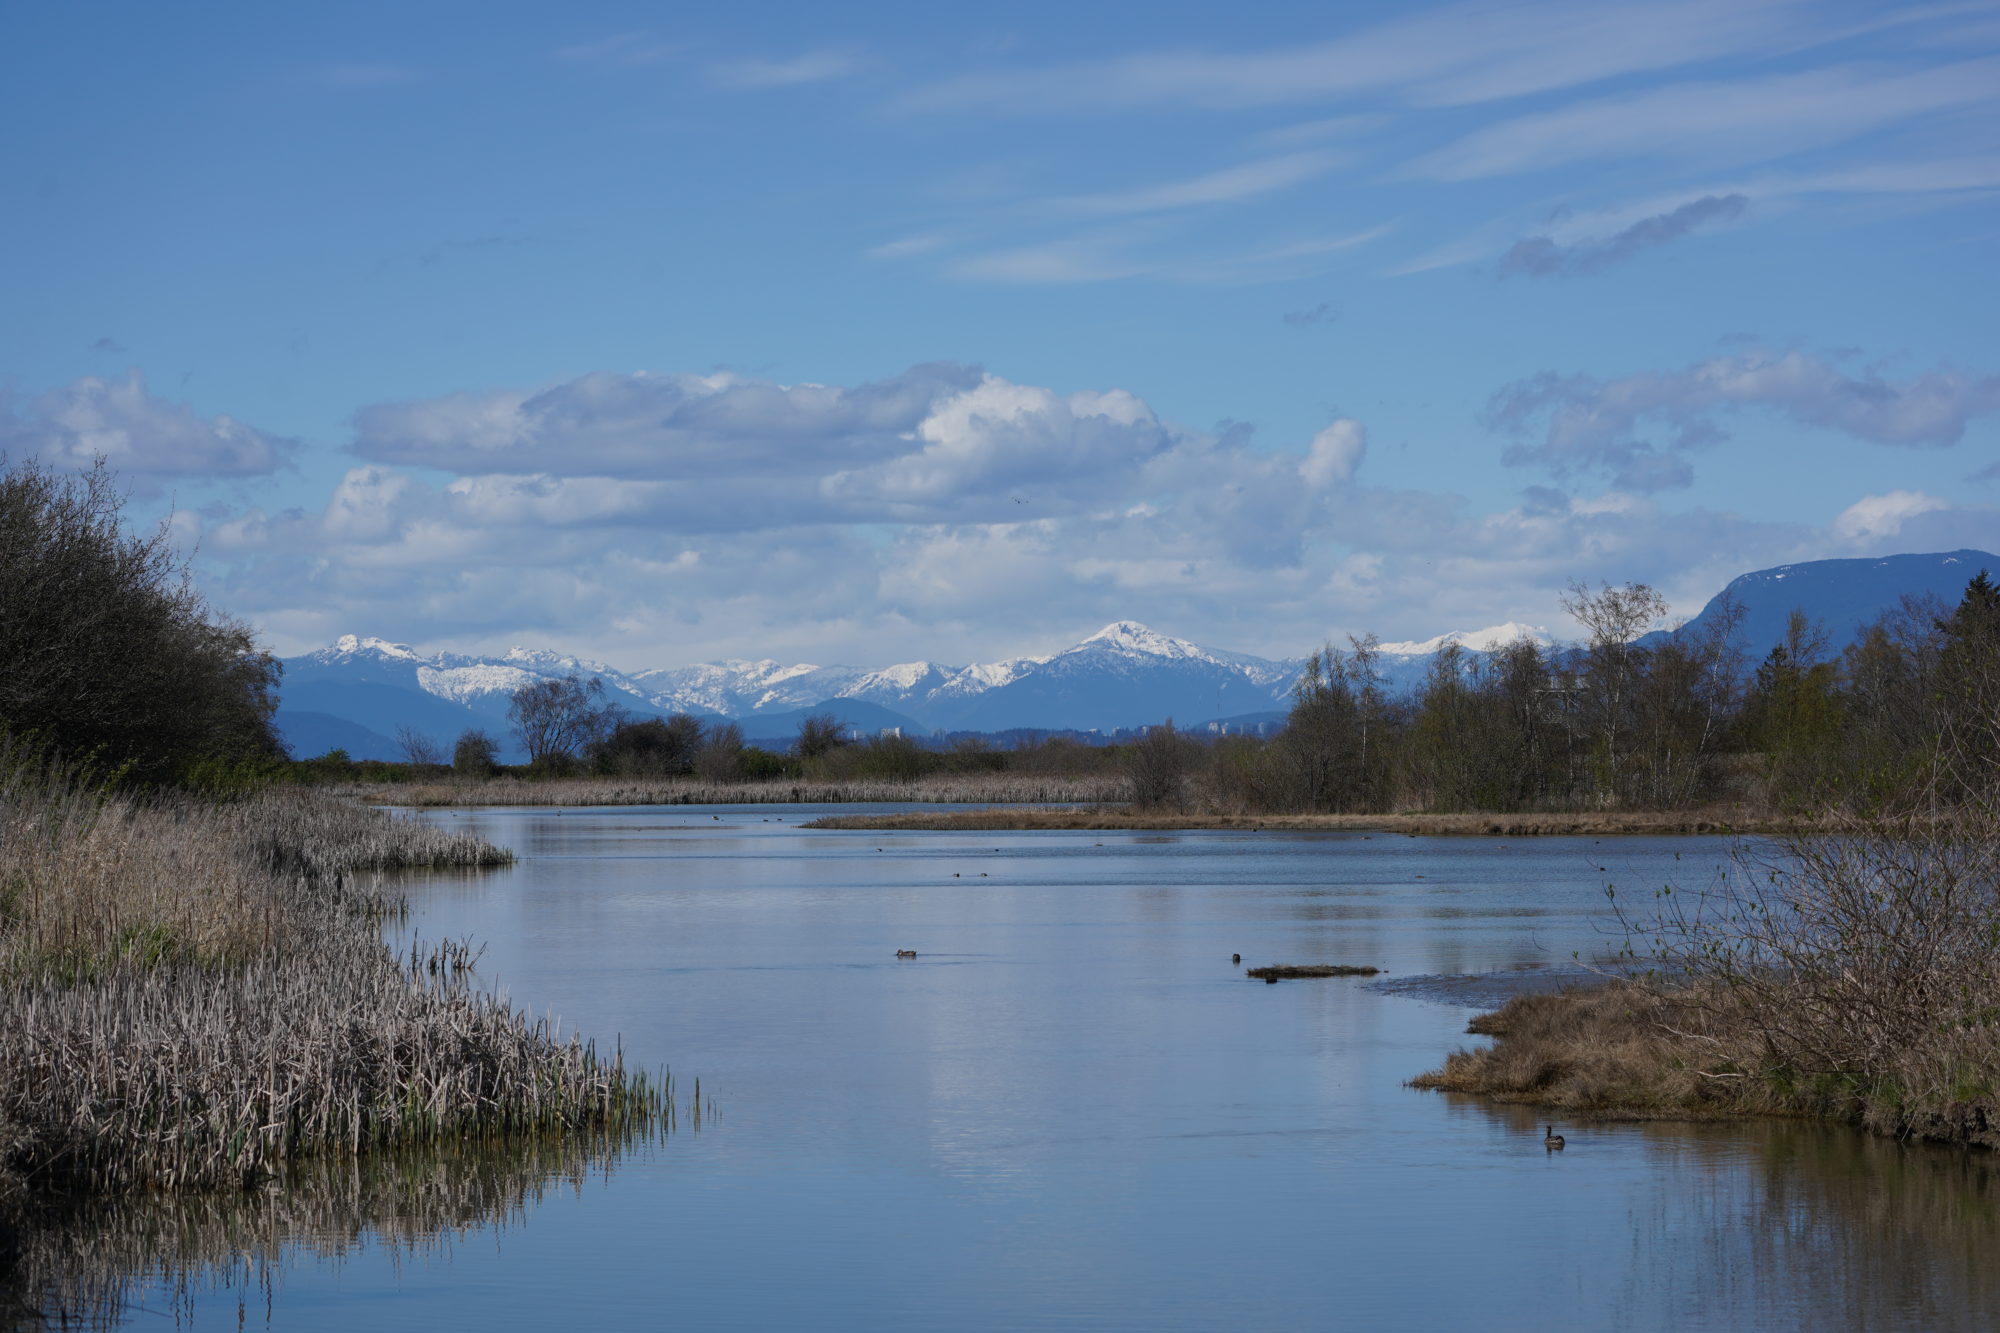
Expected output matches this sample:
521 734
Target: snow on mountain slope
1124 675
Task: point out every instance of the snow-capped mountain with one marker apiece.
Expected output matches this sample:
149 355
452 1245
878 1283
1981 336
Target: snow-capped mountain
359 691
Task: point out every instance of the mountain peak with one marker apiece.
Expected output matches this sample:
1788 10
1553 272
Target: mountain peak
350 644
1129 636
1478 641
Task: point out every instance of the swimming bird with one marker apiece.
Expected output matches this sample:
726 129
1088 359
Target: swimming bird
1552 1140
906 953
1236 958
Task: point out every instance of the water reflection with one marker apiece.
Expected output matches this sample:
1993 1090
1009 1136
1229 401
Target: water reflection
1785 1224
1070 1110
96 1262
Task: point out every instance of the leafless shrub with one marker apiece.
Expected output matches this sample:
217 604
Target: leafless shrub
1158 765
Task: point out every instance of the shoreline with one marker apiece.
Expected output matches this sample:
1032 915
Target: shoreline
1114 818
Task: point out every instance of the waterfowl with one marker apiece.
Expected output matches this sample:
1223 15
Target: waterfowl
906 953
1551 1139
1236 958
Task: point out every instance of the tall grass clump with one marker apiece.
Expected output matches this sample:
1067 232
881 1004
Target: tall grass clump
198 993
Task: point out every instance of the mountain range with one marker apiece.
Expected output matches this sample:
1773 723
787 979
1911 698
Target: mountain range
359 692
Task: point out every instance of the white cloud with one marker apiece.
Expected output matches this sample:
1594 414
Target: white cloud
1335 454
1877 516
1578 424
1216 187
625 48
660 427
791 72
138 434
1461 54
942 514
1741 121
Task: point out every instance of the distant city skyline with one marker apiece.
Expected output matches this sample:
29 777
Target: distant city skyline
868 335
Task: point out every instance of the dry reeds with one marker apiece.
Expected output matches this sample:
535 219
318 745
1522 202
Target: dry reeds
1850 974
197 994
1586 824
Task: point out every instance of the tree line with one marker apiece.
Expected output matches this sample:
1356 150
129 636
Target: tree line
110 657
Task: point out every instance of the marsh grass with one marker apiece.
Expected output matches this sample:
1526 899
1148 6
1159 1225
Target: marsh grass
197 994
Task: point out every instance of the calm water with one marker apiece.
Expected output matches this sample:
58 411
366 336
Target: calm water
1070 1110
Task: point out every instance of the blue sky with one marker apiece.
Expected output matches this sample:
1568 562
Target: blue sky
869 333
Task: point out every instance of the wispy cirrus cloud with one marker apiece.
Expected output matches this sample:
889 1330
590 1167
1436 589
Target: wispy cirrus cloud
1461 54
1714 123
808 67
625 48
1229 185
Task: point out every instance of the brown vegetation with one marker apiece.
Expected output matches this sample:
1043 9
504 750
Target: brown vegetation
198 993
1849 974
944 788
1579 824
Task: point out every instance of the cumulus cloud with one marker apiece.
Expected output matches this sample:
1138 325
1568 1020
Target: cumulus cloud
138 434
1579 424
1544 256
1335 453
660 427
944 513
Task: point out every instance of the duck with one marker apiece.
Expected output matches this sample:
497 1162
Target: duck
1236 958
906 953
1552 1140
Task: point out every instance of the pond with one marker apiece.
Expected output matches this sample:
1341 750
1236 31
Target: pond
1070 1109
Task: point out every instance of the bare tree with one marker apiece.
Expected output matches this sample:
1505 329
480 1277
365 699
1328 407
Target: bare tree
819 734
721 756
419 750
558 717
1158 764
1614 618
474 755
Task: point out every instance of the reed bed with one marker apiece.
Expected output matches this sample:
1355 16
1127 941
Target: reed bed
88 879
958 788
198 994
